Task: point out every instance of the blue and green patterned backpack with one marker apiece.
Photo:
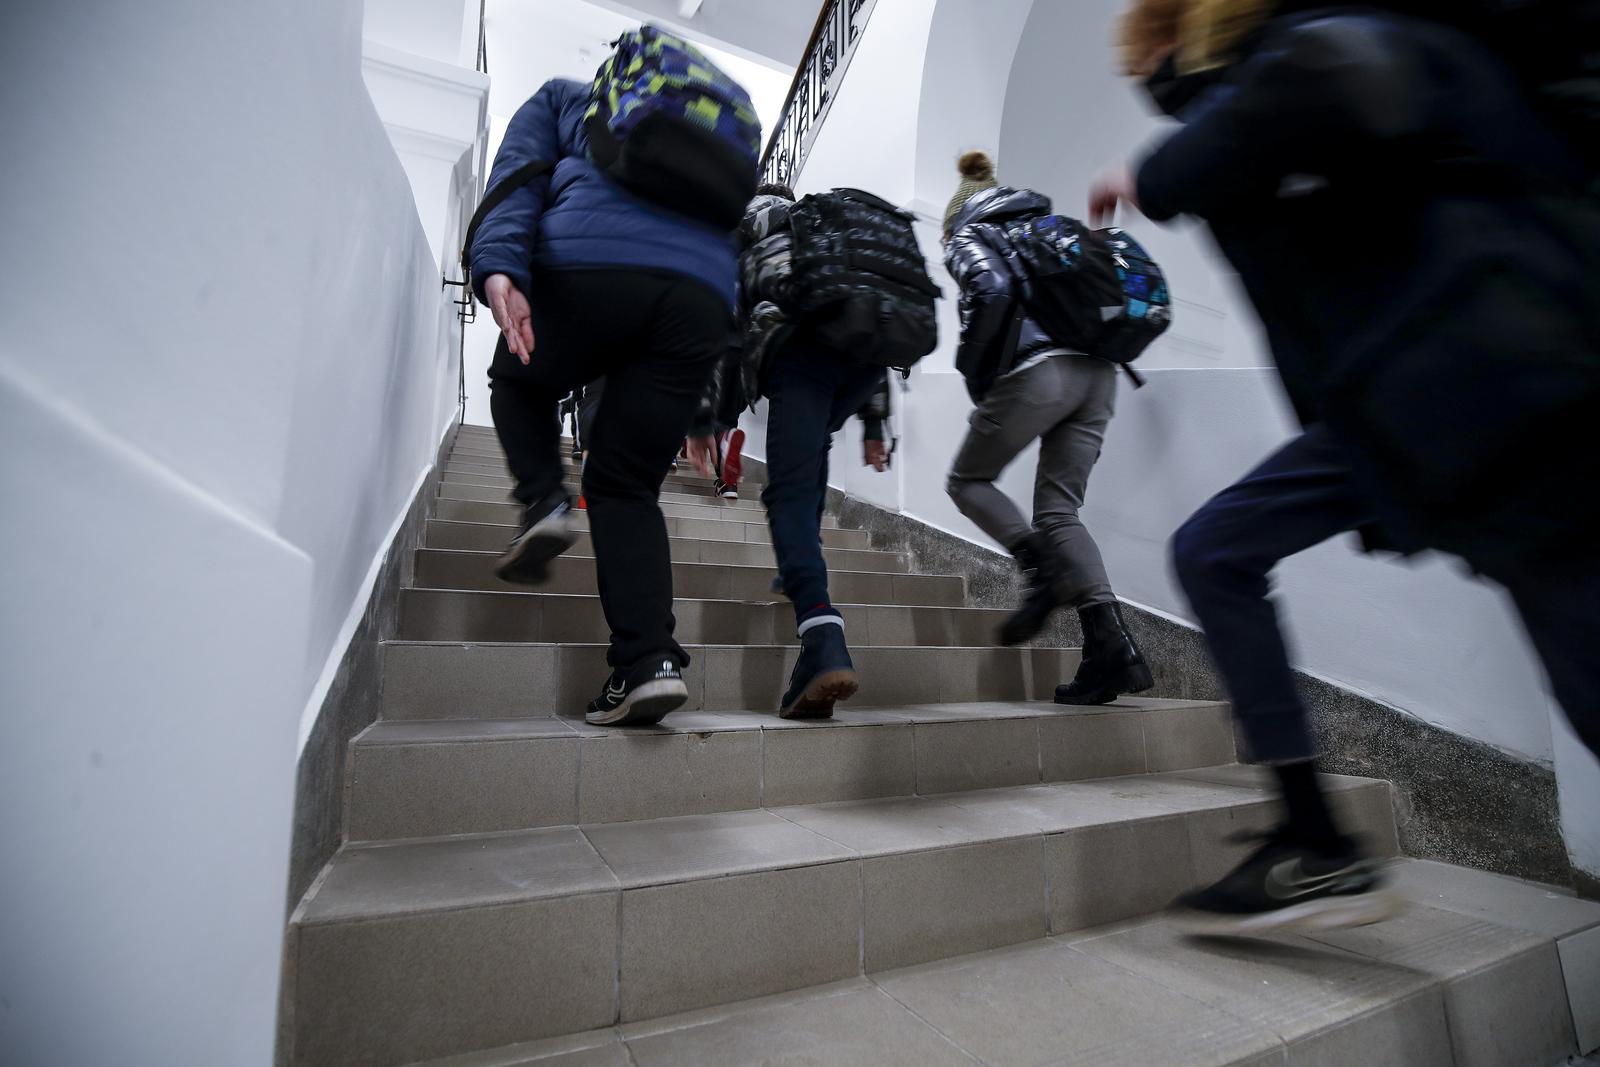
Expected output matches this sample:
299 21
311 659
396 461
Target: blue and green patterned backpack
666 123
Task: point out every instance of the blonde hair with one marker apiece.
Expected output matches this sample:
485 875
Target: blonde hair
1205 31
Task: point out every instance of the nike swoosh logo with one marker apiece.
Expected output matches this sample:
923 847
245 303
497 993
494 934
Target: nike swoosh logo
1288 880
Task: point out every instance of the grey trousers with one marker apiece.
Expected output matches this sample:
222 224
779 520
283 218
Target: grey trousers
1065 402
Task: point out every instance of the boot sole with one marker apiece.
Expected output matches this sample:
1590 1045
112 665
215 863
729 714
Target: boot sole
527 560
1326 913
1136 679
645 706
823 692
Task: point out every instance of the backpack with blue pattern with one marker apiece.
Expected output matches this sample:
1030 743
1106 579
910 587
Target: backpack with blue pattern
666 123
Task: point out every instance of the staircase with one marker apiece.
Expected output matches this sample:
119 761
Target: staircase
951 871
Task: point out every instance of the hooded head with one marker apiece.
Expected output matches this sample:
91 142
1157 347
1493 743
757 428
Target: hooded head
977 174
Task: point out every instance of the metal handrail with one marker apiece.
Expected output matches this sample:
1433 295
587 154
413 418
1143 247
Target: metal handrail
812 92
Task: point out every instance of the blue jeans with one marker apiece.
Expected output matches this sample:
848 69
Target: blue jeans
1299 497
811 390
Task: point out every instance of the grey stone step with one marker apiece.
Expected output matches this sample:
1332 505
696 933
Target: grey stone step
456 504
406 776
718 525
487 537
464 679
1424 991
480 615
427 948
711 508
670 494
575 575
682 482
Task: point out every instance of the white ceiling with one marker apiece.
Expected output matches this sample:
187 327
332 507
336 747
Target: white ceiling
532 41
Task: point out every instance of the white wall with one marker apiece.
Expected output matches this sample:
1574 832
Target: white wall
223 371
1034 82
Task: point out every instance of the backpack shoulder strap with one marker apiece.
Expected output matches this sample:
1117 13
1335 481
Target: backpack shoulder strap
497 196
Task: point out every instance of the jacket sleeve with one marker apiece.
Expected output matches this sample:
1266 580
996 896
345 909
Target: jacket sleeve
1305 103
987 303
506 238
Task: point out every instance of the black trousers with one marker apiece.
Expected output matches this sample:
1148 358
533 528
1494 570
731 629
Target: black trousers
654 338
1304 495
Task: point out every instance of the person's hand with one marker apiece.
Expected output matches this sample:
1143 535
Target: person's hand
875 454
1114 186
512 314
703 454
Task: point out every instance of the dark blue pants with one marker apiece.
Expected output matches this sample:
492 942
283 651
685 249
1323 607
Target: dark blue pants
1304 495
811 391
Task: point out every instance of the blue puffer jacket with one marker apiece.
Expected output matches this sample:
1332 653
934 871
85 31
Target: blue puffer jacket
576 217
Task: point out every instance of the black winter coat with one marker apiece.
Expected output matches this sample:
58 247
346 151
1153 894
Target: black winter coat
977 256
1410 232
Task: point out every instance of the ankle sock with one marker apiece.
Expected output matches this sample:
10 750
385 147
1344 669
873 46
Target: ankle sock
821 615
1310 821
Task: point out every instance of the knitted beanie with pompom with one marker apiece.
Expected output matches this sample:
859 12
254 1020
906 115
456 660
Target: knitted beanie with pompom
977 174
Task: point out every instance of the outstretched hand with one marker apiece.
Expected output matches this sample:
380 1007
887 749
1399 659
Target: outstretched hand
703 454
1113 187
875 454
512 314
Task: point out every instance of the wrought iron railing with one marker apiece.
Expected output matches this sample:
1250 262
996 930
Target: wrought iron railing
816 84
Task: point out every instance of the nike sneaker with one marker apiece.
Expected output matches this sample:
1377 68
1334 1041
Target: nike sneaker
1284 886
640 695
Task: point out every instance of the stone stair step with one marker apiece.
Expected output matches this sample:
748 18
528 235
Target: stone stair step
427 948
487 537
575 574
407 777
475 680
501 489
694 484
710 522
711 507
483 616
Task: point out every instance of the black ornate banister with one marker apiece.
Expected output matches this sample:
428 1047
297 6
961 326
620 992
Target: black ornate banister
816 82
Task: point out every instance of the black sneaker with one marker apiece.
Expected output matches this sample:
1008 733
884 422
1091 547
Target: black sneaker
640 695
546 532
724 490
1284 886
823 675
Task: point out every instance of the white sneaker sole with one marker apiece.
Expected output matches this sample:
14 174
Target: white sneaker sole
1325 913
649 703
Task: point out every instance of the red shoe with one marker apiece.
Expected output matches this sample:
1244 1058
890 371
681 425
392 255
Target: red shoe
582 504
733 457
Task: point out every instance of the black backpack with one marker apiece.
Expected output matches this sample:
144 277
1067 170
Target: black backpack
859 280
1093 291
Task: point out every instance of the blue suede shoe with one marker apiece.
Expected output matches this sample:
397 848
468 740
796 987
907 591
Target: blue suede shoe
823 675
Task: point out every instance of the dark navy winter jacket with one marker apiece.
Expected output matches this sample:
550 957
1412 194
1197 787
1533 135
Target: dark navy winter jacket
1413 236
576 217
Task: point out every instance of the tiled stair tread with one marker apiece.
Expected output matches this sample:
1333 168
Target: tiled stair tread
488 557
1138 992
445 731
574 573
368 881
493 538
670 494
497 504
716 525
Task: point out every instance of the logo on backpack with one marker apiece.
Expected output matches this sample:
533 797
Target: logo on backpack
666 123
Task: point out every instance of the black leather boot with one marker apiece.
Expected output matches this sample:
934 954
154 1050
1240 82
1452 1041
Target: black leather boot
1111 664
1039 564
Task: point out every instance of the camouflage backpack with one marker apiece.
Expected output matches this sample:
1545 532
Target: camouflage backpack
671 127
